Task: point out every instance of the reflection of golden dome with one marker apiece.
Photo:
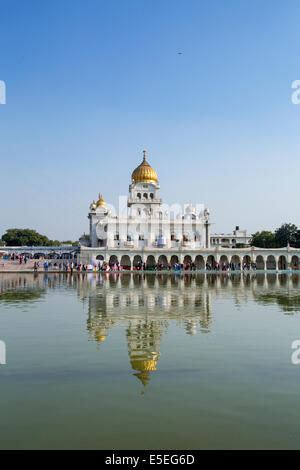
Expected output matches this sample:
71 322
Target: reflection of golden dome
100 335
144 368
100 201
144 376
142 365
144 173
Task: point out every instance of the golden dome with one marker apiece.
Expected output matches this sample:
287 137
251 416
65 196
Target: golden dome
144 173
100 201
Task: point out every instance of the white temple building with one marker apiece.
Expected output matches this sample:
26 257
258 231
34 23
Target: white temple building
147 222
144 230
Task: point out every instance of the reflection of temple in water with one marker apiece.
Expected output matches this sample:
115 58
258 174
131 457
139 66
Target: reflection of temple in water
143 340
145 305
143 334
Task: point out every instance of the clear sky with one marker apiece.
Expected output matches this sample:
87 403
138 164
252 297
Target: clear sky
92 83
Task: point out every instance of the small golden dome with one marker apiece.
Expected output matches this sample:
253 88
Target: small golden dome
100 201
144 173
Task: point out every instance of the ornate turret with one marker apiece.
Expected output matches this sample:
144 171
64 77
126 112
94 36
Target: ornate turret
93 206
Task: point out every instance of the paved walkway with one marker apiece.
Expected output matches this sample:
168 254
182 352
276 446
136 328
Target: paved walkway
13 266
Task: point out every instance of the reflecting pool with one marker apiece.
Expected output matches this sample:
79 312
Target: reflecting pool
149 361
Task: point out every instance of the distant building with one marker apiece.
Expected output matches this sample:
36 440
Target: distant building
231 240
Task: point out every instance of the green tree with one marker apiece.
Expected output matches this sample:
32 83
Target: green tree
285 234
24 237
297 242
54 243
263 239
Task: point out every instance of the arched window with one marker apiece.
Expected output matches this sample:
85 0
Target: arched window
151 195
139 195
145 195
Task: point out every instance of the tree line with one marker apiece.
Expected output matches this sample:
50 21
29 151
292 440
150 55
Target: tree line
281 237
28 237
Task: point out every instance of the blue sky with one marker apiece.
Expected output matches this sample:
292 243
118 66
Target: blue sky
92 83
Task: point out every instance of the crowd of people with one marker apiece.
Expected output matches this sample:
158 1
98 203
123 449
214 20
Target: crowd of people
230 266
18 258
71 265
23 258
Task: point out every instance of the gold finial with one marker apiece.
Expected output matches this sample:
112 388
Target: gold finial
101 201
144 152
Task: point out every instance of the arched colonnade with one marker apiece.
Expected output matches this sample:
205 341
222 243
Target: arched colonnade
233 262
